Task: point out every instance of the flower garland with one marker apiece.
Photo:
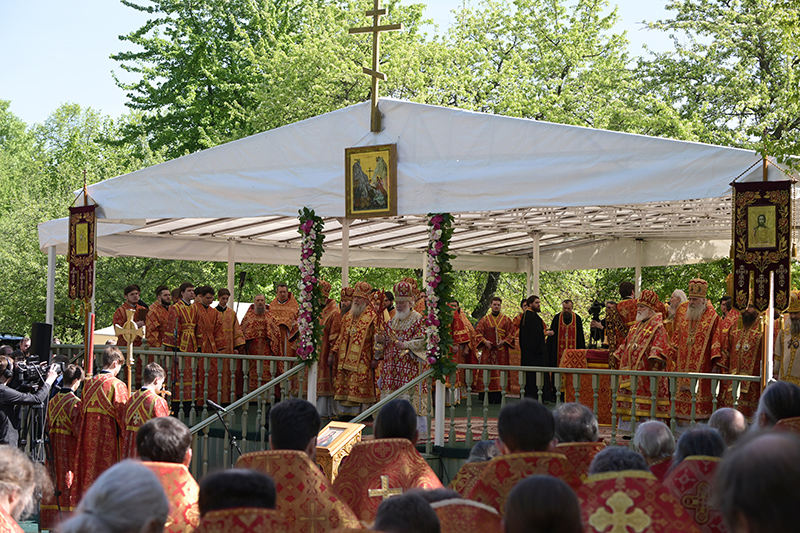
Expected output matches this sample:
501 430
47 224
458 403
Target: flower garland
438 291
310 329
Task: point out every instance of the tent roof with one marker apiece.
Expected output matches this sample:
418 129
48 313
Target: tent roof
588 193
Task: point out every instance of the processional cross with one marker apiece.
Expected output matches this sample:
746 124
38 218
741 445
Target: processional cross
376 13
130 332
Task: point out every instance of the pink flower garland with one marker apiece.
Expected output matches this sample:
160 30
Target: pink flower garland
311 249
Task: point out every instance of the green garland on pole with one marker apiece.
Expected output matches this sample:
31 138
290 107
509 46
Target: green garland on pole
439 294
310 329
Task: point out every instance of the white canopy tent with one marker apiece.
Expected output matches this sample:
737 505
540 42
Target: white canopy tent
526 195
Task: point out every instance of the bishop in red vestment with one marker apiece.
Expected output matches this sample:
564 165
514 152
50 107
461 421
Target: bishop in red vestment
355 377
331 327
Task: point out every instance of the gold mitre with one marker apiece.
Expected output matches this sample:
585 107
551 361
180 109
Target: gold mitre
698 288
405 292
794 302
650 299
362 289
324 288
347 294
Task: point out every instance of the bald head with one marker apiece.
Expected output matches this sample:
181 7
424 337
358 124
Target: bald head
730 423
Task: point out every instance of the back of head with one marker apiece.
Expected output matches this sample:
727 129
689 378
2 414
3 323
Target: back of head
730 424
72 374
526 426
575 423
779 400
483 450
163 439
626 289
617 459
18 474
407 513
111 354
202 290
756 487
654 440
700 440
396 420
237 487
542 504
292 424
126 498
152 372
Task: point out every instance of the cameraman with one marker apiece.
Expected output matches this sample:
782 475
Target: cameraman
10 399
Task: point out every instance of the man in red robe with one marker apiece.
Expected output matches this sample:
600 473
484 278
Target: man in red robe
345 300
496 336
104 402
691 350
741 348
157 318
64 420
209 328
331 327
230 340
144 405
465 349
132 293
180 334
568 334
355 377
622 317
284 310
262 337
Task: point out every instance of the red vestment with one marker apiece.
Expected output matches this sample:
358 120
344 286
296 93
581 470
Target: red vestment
465 339
740 353
401 366
691 351
104 401
209 329
181 334
645 349
467 516
121 316
467 476
791 424
691 482
142 406
8 524
244 520
285 314
230 339
263 338
64 419
331 322
156 324
498 331
182 492
505 471
580 455
376 466
619 321
355 382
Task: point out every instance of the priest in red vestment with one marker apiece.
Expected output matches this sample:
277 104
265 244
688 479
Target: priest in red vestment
262 337
567 329
64 420
209 329
621 317
180 335
230 340
285 311
496 336
331 323
691 350
157 318
355 376
104 402
465 348
741 348
132 293
143 405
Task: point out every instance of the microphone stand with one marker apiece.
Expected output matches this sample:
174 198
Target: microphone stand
232 439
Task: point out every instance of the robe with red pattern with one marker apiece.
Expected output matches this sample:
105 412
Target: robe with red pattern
64 420
121 316
156 324
230 340
740 351
182 492
402 366
355 379
331 322
263 338
181 334
209 329
104 402
143 405
498 331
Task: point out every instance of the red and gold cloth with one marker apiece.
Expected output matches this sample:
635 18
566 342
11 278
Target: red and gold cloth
691 351
81 251
155 324
498 331
589 359
465 340
209 330
619 321
8 524
121 316
142 406
787 362
244 520
104 402
401 366
355 382
740 352
230 340
64 419
791 424
181 334
182 492
514 357
505 471
378 466
566 335
263 338
691 482
467 476
467 516
631 501
645 349
305 496
331 322
580 455
661 469
285 314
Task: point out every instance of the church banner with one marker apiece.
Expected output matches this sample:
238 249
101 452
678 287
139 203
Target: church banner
762 224
81 251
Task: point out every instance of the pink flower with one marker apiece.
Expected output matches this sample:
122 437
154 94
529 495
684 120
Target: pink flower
431 360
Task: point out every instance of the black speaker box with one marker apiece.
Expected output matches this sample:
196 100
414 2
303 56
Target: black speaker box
41 340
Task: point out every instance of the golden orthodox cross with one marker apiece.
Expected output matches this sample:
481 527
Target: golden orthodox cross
384 492
130 333
376 13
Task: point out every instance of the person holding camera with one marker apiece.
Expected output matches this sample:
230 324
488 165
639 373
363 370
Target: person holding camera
11 399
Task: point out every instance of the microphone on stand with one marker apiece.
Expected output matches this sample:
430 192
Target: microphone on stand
215 406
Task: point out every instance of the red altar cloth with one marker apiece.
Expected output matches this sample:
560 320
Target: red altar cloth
588 359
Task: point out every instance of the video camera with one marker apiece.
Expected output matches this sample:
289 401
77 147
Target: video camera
596 334
595 309
32 373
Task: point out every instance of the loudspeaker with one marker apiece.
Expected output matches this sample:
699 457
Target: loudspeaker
41 340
